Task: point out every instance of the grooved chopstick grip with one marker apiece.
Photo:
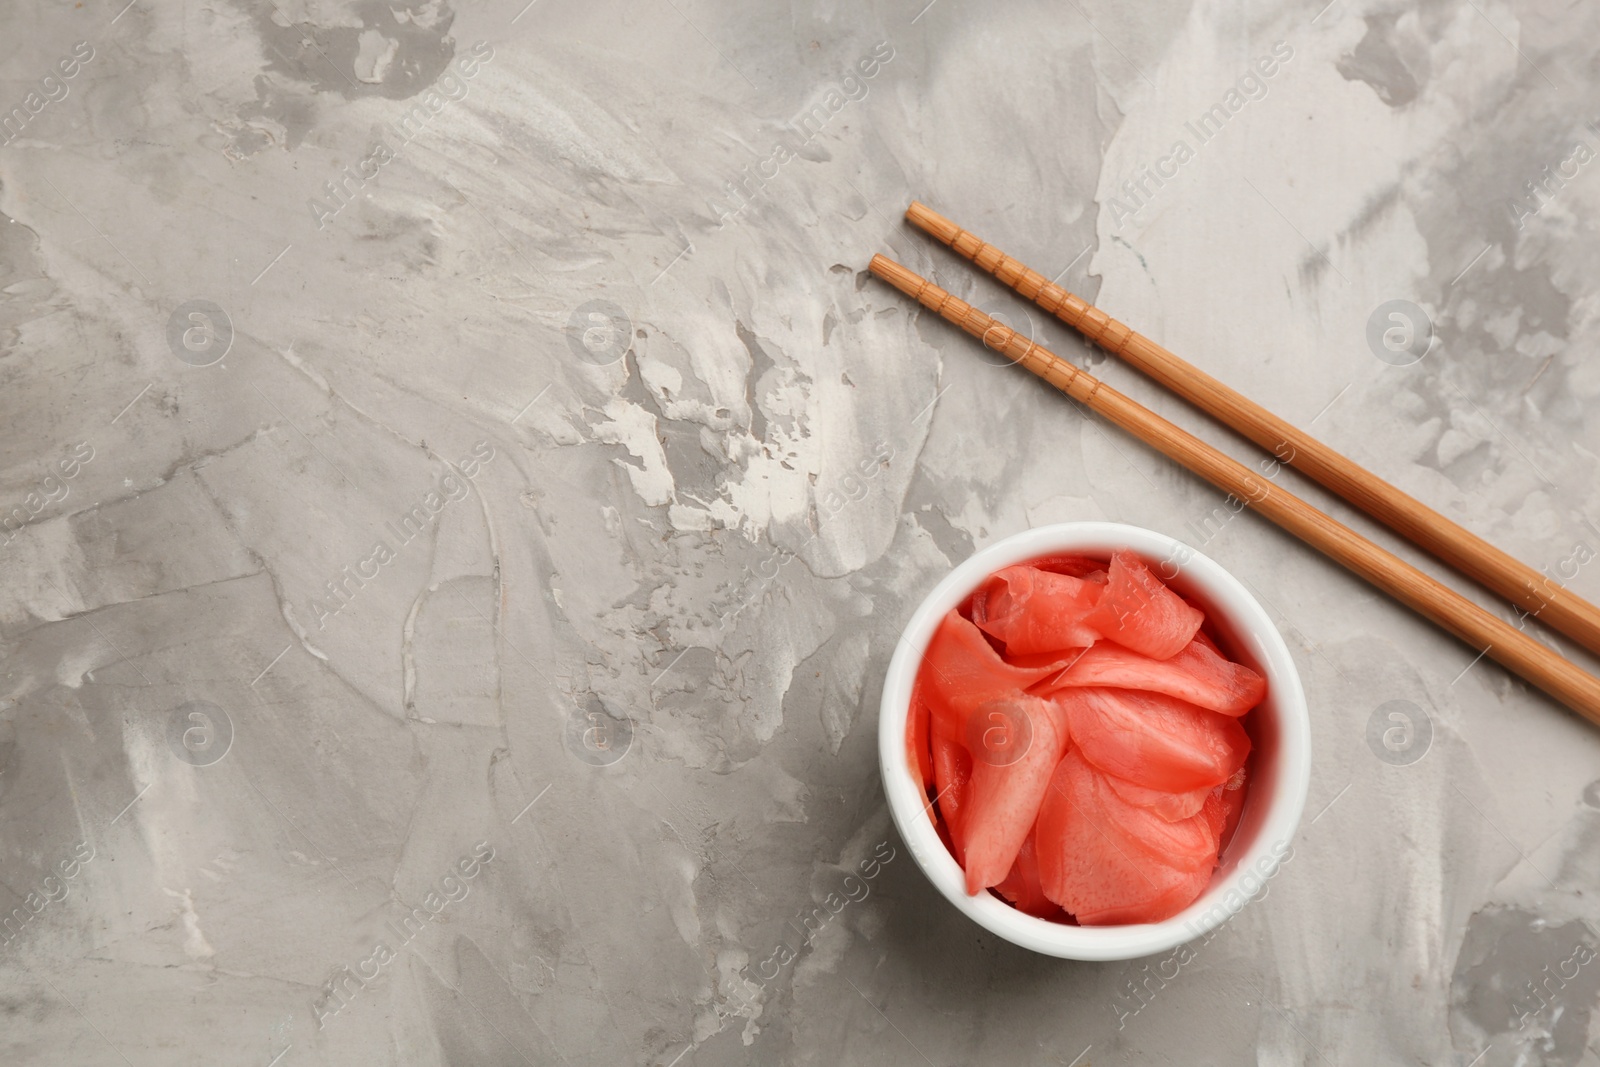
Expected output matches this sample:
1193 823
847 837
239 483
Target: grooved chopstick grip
1468 553
1503 643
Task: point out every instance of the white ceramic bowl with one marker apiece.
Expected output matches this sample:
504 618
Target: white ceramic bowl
1280 729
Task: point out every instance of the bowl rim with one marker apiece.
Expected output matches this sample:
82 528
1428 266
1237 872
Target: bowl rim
1252 627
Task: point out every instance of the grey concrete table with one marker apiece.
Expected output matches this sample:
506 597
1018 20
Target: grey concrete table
461 494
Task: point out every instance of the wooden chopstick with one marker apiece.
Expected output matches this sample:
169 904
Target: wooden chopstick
1503 643
1468 553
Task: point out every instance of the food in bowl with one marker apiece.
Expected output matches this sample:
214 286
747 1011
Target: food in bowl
1079 732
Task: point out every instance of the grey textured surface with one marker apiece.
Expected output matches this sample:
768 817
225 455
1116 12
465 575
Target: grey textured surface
285 656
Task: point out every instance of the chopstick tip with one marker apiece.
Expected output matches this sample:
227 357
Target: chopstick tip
931 222
902 278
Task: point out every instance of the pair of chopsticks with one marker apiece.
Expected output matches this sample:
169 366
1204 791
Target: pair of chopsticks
1466 552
